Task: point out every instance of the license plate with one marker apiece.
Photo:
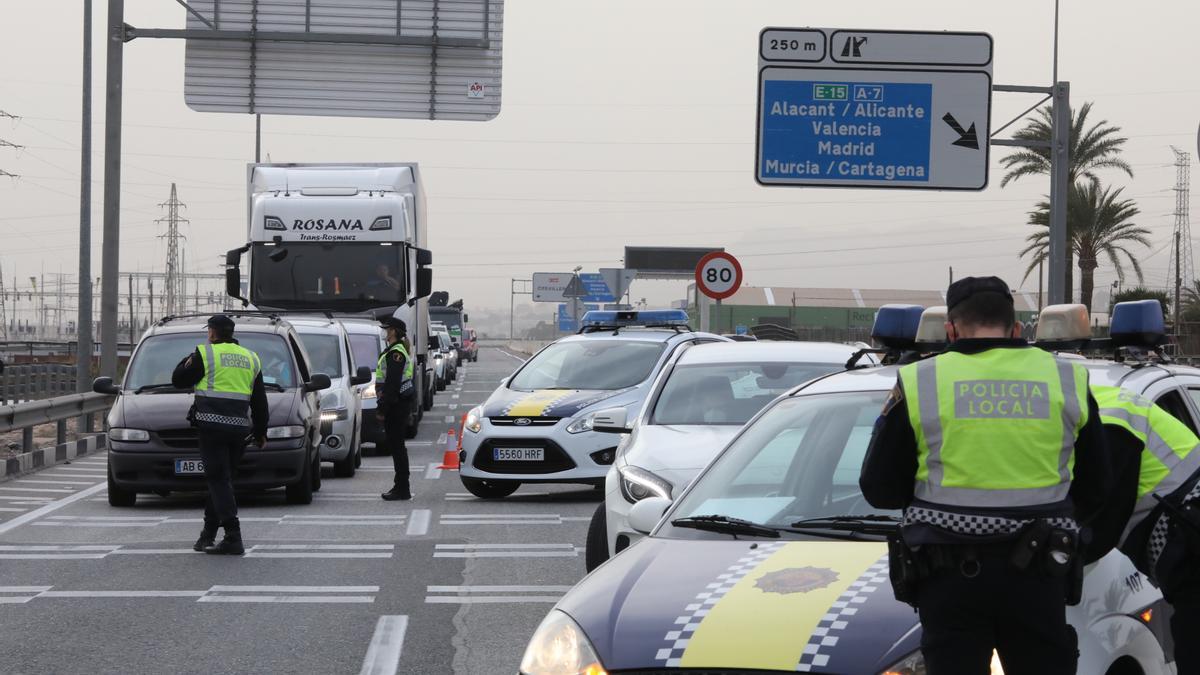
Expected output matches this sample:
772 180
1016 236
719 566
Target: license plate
519 454
184 467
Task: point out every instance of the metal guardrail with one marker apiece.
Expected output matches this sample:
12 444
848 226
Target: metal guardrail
35 381
24 417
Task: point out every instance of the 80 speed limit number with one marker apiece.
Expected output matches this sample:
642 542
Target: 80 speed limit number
718 275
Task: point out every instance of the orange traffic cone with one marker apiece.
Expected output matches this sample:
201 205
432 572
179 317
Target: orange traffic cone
450 457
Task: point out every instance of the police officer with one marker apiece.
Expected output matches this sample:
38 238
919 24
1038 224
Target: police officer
1161 463
394 382
995 451
230 402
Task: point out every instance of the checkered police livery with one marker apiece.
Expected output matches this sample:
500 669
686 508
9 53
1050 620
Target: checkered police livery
825 636
677 640
976 525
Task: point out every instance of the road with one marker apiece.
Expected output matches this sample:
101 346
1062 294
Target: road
444 583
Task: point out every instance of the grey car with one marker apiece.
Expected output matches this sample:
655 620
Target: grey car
152 446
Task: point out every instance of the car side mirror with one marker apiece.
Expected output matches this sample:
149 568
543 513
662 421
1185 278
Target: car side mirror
466 318
317 382
611 421
644 515
362 376
104 385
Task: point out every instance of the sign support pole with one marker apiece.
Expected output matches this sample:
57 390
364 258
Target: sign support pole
1059 189
110 252
83 353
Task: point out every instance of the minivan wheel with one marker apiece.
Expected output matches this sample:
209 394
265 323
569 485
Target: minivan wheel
597 539
490 489
118 496
316 474
301 492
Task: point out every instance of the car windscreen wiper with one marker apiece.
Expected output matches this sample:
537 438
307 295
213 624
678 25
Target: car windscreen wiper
727 525
160 385
874 523
274 385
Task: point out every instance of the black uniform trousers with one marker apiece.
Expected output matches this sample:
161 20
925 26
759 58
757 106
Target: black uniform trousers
220 451
1178 576
1020 615
395 430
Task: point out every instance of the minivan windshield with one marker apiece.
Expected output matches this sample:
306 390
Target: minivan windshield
324 353
728 393
800 460
366 349
589 364
157 356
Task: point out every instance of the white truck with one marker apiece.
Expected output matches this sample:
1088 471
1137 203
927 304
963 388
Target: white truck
340 239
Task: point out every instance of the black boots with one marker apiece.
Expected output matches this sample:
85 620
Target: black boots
231 544
397 493
207 537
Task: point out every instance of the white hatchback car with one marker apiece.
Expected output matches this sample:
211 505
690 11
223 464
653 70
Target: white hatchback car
328 348
699 402
537 426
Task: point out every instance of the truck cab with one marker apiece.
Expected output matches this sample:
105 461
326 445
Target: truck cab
338 238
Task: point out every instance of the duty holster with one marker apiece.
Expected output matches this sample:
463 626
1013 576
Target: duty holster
1054 552
904 569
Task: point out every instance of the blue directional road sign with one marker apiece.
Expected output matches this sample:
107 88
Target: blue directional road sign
566 322
828 115
596 288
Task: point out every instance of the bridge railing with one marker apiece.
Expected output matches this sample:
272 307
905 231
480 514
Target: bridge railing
24 417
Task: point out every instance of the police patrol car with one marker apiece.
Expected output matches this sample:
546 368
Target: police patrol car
537 426
772 561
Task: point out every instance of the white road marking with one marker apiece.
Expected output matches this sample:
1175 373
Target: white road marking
121 594
511 356
491 594
23 481
442 439
432 472
311 599
294 589
503 519
17 489
456 395
62 471
6 509
51 507
505 551
488 599
387 644
419 523
154 551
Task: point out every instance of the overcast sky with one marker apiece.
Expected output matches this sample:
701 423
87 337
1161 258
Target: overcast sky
623 122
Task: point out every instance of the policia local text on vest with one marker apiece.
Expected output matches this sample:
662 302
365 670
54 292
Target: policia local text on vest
995 452
230 404
1152 512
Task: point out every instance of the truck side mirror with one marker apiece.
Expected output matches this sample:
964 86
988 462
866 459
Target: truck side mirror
424 257
233 274
424 283
466 318
362 376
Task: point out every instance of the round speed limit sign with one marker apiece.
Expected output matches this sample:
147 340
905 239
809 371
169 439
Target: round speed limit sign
718 275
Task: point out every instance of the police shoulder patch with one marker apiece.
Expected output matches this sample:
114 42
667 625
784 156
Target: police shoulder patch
894 397
397 357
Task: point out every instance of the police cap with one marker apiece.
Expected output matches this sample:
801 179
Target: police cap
221 322
968 286
393 322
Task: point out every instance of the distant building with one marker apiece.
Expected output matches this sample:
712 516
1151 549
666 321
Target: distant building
820 313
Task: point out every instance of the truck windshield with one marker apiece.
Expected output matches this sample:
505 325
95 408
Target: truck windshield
453 321
158 355
347 276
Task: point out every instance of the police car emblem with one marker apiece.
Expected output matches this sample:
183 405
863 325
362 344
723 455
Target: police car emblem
796 580
522 421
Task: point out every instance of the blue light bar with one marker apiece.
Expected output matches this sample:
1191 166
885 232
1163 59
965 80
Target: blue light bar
896 325
654 317
1137 323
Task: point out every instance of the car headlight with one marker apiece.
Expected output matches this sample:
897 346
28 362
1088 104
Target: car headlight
474 420
334 415
581 425
292 431
914 664
638 484
369 391
559 647
129 435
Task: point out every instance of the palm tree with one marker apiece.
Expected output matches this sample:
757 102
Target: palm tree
1090 149
1099 223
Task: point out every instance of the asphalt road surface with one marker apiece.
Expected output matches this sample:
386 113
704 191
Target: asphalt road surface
445 583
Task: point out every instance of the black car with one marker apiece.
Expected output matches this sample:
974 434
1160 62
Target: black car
153 448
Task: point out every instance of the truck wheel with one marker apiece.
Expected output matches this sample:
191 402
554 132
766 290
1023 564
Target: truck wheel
118 496
597 539
301 492
490 489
